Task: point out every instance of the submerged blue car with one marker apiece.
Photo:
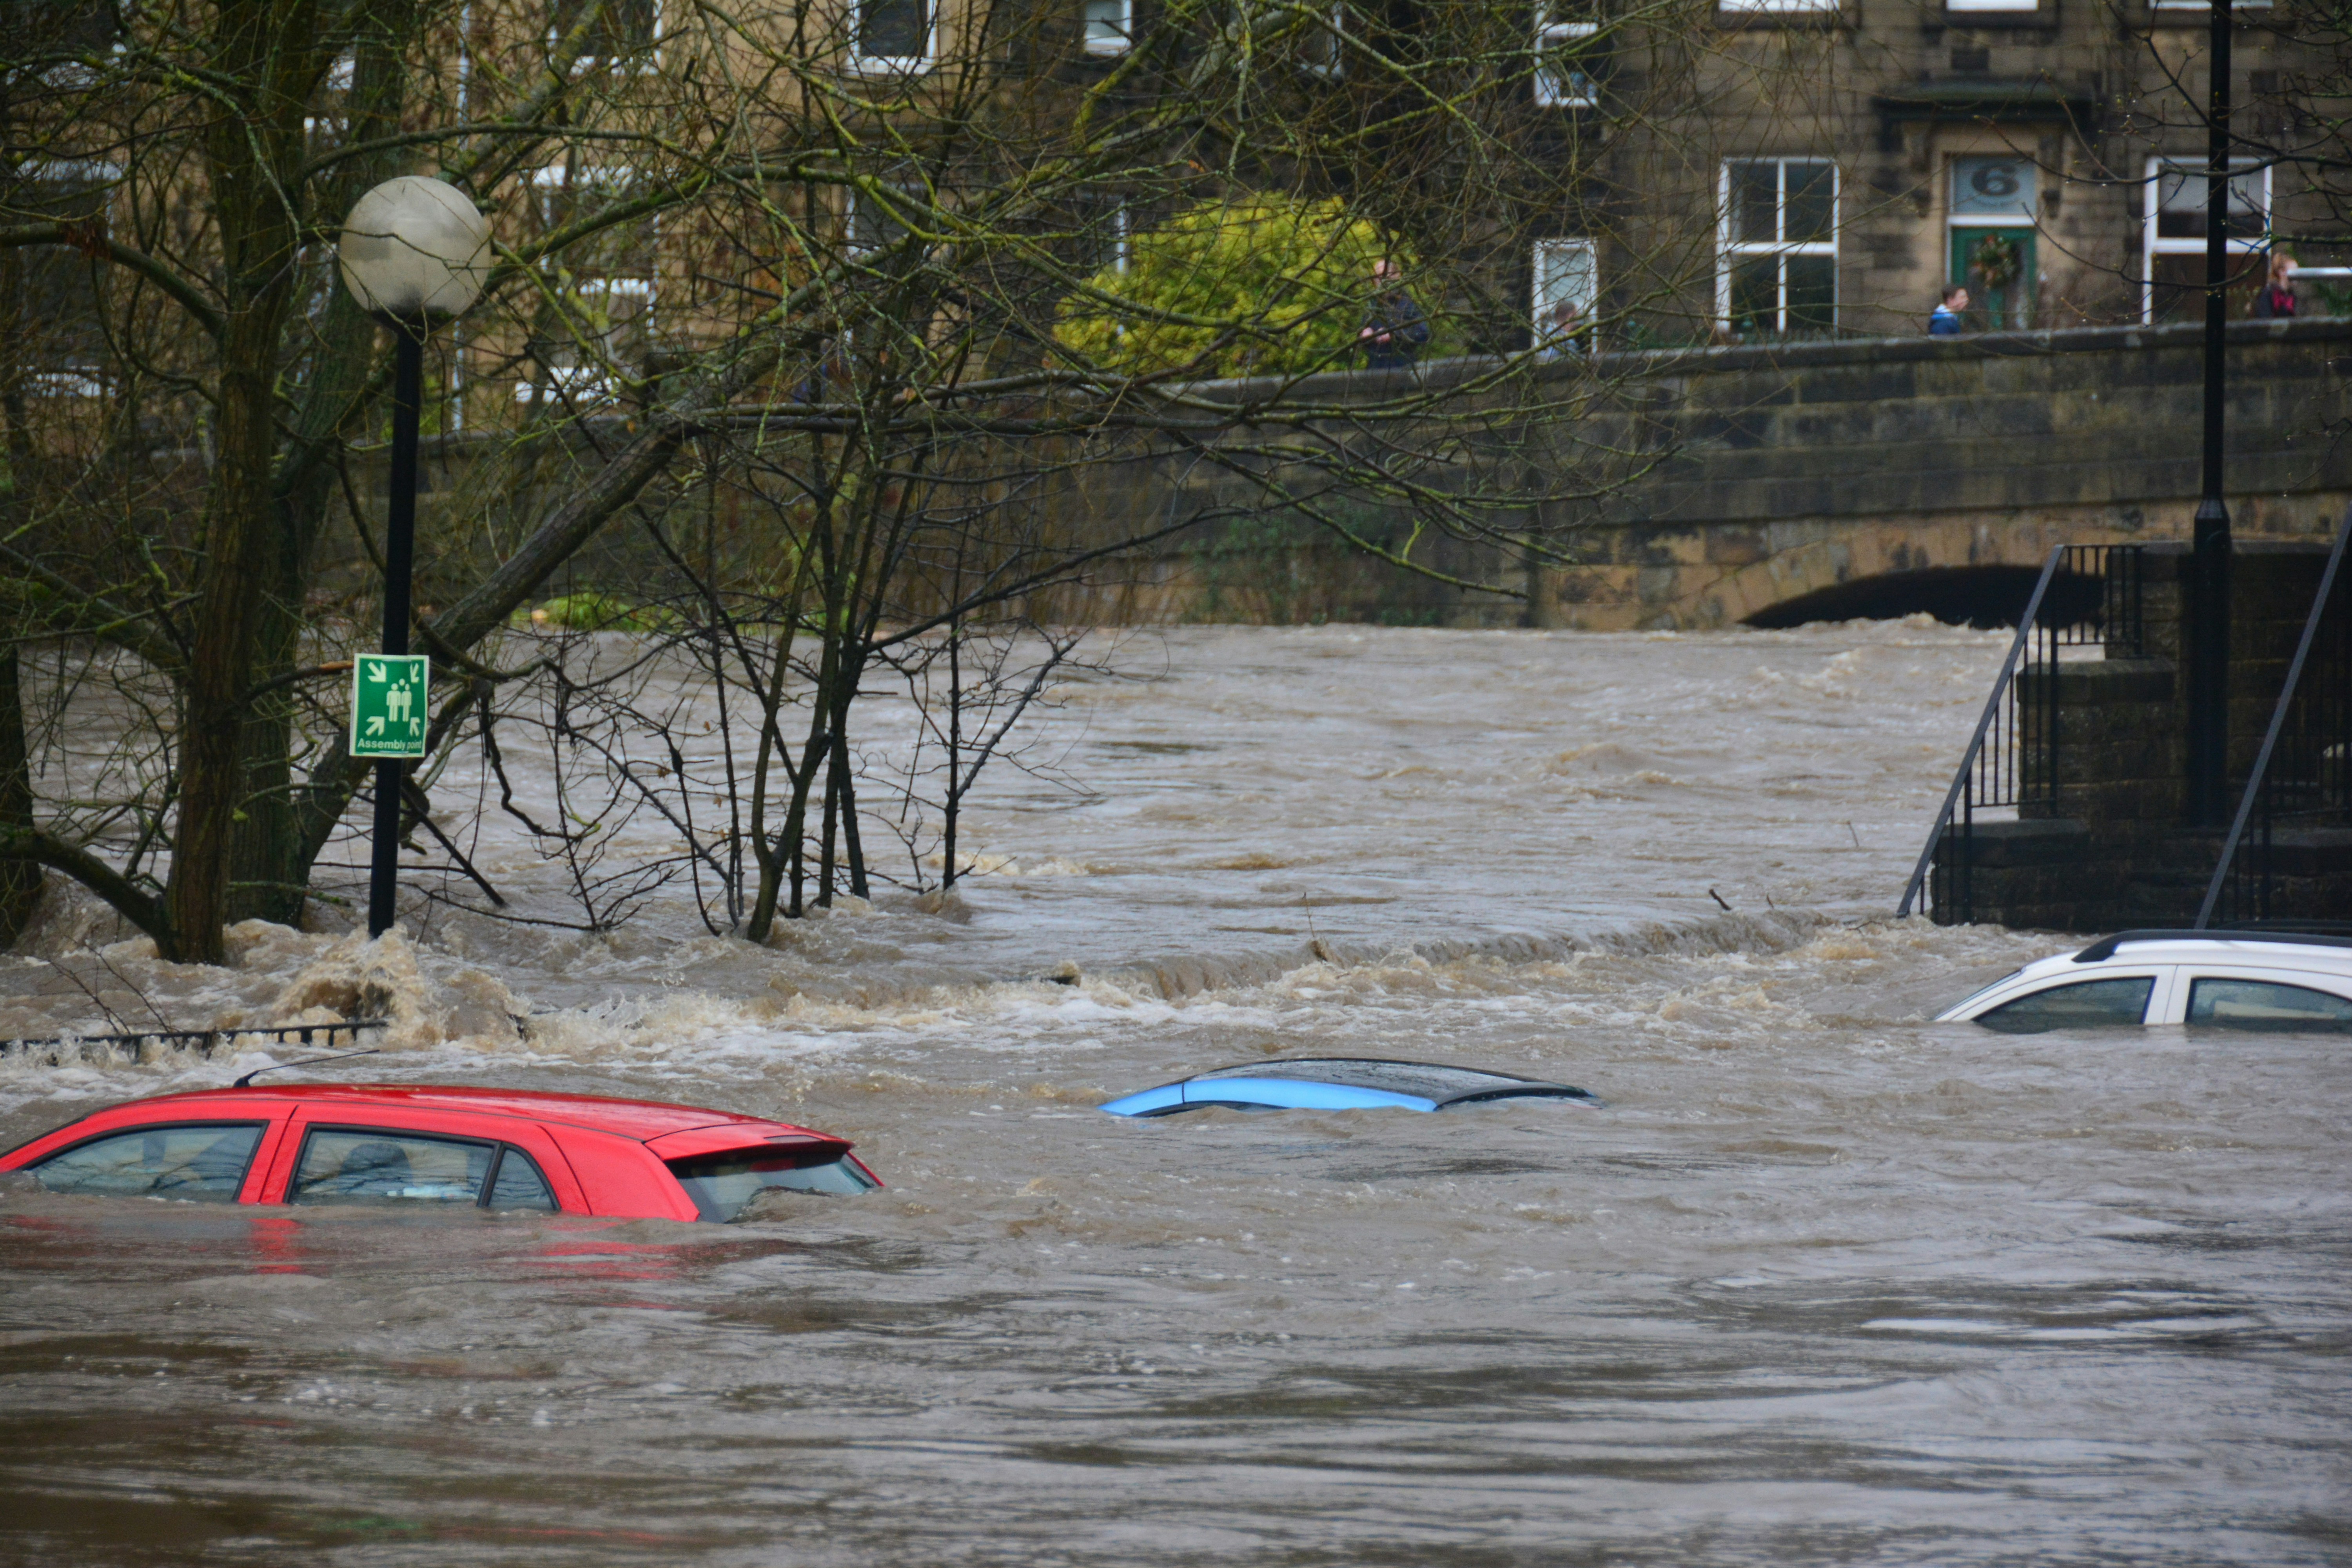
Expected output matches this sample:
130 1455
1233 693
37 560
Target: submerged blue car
1339 1083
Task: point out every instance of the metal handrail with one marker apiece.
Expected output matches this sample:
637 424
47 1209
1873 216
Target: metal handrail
2278 721
202 1041
1976 742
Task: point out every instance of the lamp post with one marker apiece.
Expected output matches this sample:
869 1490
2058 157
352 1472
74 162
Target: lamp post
414 254
2209 596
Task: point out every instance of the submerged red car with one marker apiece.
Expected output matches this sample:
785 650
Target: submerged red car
405 1145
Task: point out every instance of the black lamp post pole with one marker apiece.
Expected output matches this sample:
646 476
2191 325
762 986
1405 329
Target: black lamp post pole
2208 629
399 541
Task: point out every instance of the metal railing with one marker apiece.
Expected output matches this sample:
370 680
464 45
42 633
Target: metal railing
2087 596
133 1045
2304 772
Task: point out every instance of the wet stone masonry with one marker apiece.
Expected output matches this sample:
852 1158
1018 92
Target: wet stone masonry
2112 849
1730 483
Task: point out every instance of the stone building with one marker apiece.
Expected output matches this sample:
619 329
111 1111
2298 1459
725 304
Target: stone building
1830 165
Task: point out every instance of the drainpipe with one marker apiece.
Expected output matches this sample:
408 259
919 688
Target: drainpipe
2209 586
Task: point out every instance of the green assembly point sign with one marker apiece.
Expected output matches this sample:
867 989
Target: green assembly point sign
388 705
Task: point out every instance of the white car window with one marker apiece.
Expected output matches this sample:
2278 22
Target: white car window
2220 1001
2077 1004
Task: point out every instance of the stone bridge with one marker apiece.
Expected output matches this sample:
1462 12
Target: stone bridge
1819 481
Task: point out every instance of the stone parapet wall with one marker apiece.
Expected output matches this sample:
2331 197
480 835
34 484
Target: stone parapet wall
1781 472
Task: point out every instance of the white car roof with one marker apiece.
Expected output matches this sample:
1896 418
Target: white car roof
2247 949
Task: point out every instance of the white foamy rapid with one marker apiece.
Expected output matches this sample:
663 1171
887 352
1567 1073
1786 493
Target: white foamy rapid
1823 1283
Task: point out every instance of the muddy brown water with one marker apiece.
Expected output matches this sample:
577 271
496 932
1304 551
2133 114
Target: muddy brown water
1824 1283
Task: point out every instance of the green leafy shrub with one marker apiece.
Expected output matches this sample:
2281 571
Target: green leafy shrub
1264 285
595 612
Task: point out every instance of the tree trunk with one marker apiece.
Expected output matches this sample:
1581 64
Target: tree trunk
20 880
264 45
268 862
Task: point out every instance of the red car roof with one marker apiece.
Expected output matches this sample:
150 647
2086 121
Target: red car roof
640 1119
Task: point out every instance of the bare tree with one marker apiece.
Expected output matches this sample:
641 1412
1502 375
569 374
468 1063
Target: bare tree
811 265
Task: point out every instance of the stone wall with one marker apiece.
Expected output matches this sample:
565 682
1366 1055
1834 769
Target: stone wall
1790 470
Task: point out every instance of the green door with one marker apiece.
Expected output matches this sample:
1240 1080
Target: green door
2007 299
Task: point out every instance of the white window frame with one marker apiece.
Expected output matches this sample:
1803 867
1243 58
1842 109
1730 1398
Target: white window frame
1539 307
644 65
1117 43
2153 245
2009 7
1329 40
1121 235
854 204
70 380
592 382
1578 90
1782 7
74 77
2205 7
1728 250
894 65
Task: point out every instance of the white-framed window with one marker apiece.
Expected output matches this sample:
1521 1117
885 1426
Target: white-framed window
1778 272
2173 219
1565 285
1108 231
2205 7
871 224
1562 82
2010 7
63 332
624 34
1774 7
891 38
1110 26
604 318
69 26
1322 53
603 288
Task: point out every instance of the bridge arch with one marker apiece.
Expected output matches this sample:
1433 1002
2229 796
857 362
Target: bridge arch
1983 596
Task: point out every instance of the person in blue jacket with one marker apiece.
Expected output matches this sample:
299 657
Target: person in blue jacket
1946 322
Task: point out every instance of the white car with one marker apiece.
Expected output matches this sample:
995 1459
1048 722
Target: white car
2228 980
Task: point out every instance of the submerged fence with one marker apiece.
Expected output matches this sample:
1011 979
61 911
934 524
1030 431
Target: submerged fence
144 1045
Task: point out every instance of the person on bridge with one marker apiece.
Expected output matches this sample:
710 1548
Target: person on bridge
2274 300
1946 322
1395 329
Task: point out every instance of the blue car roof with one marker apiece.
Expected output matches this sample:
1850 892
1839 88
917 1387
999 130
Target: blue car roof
1320 1083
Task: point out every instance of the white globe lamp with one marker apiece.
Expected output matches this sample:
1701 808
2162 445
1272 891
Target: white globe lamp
415 251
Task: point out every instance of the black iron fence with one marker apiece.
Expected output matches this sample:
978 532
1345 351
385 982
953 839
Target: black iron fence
2088 596
2303 775
143 1045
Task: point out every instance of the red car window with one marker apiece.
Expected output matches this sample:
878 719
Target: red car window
532 1173
517 1184
200 1162
379 1166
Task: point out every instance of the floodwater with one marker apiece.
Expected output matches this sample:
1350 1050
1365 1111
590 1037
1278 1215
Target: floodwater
1824 1283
